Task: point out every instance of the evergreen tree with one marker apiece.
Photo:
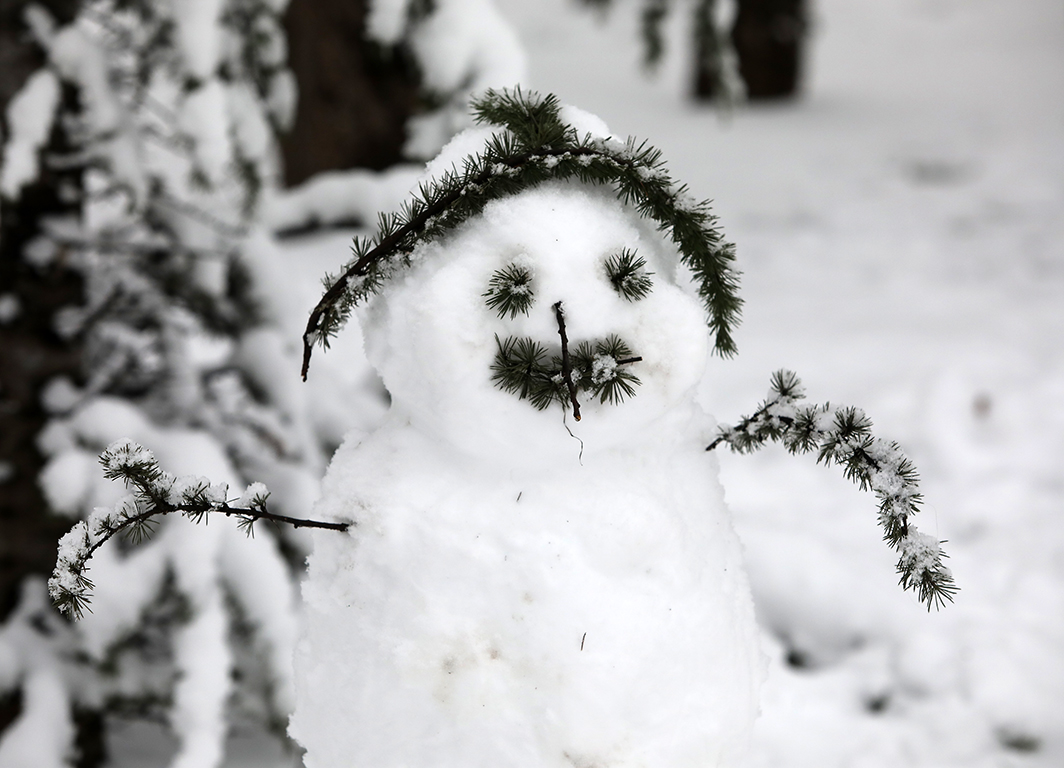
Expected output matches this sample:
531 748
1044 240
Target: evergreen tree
136 145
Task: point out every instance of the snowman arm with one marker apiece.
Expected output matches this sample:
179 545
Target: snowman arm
843 436
155 493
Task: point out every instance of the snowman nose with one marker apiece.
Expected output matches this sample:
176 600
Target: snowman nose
567 368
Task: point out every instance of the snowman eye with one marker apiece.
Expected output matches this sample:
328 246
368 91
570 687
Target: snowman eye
510 291
627 272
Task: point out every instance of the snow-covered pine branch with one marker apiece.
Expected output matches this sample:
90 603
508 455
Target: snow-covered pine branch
843 436
155 493
536 146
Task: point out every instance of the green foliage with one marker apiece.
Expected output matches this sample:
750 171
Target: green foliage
628 275
602 370
535 146
510 291
522 367
843 437
155 493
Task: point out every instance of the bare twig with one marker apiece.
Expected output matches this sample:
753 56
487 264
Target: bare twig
567 370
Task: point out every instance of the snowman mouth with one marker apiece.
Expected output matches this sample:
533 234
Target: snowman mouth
597 367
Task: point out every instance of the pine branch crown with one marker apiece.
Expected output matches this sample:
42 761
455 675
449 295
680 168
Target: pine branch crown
533 146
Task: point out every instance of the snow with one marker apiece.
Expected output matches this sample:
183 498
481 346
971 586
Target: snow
66 480
386 20
199 35
462 47
339 197
199 118
43 733
29 121
208 563
10 308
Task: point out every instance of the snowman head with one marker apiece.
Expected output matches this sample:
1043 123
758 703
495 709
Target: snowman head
469 341
537 275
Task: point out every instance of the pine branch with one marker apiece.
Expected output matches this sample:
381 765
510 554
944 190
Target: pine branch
627 273
155 493
520 368
843 436
535 146
510 291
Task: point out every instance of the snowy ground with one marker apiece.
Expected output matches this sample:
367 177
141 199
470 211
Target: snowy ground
901 231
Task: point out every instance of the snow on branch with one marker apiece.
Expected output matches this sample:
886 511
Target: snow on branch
536 146
843 436
155 493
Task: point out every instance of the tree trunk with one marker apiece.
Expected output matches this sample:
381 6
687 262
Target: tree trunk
355 96
767 37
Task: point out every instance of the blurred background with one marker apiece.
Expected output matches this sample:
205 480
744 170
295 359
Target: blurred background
177 177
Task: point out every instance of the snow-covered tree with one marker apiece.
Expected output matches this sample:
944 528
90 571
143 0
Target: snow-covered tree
134 156
142 299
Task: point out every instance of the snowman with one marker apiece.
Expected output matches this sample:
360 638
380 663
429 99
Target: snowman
540 570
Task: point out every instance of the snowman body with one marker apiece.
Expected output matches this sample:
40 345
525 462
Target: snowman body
521 589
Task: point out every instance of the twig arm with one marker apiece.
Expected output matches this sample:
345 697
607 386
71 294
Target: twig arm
843 436
155 494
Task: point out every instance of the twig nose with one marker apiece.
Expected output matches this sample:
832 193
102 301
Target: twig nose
567 370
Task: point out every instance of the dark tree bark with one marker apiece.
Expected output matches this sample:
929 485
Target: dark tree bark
767 37
355 96
30 351
707 75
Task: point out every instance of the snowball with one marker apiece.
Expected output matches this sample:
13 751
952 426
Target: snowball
567 232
